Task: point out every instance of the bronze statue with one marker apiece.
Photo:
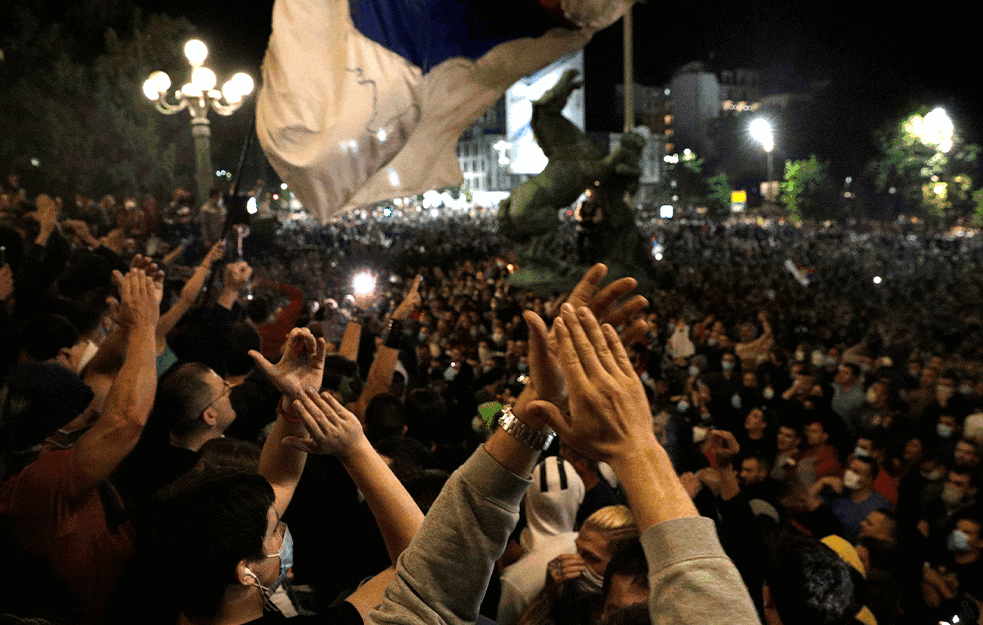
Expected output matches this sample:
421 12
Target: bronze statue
529 214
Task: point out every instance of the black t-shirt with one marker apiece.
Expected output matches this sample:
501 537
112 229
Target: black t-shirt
342 613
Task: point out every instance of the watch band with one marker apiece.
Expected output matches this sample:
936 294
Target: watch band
538 440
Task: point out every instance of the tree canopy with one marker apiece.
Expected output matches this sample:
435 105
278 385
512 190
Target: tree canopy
74 116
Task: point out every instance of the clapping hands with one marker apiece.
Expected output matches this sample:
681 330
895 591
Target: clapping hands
139 304
331 428
546 377
300 367
609 413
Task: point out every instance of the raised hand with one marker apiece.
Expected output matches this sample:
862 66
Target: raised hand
214 255
546 378
609 413
139 307
237 275
300 367
331 428
601 302
411 302
562 568
146 265
724 445
80 230
47 213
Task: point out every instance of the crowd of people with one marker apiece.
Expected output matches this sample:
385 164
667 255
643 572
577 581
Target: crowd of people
788 428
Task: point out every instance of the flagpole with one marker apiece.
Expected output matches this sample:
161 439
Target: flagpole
629 71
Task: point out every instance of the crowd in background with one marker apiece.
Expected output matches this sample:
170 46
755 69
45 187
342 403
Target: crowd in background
808 380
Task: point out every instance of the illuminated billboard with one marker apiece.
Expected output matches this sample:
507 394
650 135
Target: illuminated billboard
525 157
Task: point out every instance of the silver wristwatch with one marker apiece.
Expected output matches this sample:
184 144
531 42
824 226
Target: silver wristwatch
538 440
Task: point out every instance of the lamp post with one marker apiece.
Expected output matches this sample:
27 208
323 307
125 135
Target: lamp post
197 97
761 132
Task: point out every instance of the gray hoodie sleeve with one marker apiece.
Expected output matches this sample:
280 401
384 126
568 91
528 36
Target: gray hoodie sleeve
442 576
691 578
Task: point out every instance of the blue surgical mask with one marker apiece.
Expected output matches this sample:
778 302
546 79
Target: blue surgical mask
768 393
522 367
286 556
943 430
727 365
959 542
735 401
682 406
694 371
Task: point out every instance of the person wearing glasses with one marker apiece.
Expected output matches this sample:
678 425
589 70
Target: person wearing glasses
192 407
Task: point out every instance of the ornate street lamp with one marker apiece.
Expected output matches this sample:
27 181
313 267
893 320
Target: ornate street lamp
197 97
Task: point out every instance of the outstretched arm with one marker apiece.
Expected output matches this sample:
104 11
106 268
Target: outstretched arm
236 278
381 372
691 578
332 429
100 450
188 294
445 572
300 368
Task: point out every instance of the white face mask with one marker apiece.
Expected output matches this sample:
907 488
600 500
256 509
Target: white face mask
590 581
699 434
851 479
90 351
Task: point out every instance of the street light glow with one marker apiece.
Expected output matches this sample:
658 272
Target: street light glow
196 51
761 132
198 97
156 84
363 283
203 79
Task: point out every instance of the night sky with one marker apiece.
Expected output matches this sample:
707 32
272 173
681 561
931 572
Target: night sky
883 61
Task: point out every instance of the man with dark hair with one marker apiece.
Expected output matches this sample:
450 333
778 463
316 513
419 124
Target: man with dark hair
384 417
819 458
61 507
192 515
881 525
626 580
966 454
234 519
789 442
855 496
193 401
756 481
809 584
958 492
960 570
50 337
848 395
192 407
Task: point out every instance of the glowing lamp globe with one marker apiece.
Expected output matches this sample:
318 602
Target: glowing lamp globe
203 79
156 84
196 51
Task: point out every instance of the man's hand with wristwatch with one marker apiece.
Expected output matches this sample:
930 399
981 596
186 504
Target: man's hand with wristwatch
545 377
